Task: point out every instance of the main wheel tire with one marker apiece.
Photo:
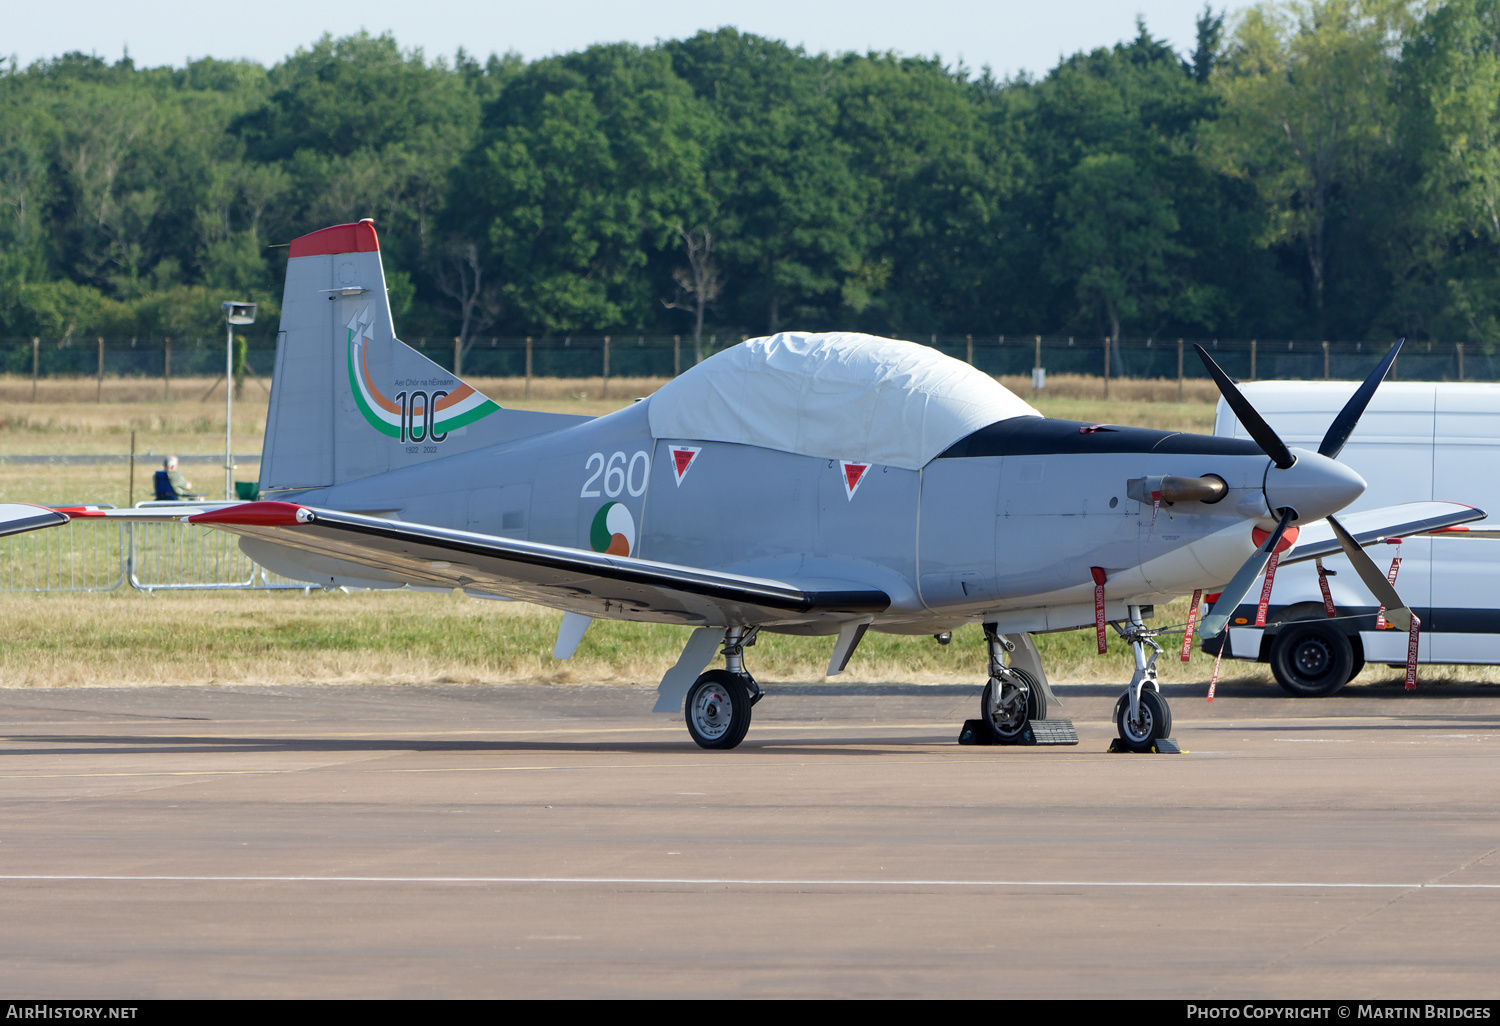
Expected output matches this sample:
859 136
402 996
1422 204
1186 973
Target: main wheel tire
1006 721
718 709
1155 722
1312 659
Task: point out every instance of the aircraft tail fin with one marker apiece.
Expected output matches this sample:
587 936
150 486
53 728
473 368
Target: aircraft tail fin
348 399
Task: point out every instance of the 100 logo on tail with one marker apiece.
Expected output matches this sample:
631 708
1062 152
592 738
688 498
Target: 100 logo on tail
414 414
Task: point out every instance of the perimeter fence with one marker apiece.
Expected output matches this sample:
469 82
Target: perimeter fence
102 555
661 356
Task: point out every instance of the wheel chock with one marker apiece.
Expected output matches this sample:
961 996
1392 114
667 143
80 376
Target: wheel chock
1162 746
975 732
1054 732
1037 732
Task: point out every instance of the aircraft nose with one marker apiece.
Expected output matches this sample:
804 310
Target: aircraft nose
1314 486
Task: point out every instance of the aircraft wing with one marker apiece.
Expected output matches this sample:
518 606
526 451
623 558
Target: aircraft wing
1372 526
19 517
590 583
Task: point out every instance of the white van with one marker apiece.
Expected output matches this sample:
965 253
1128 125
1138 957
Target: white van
1417 441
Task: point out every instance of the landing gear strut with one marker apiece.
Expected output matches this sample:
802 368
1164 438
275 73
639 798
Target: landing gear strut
1142 714
1011 699
719 702
1014 704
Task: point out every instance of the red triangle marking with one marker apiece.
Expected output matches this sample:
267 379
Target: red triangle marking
852 473
682 457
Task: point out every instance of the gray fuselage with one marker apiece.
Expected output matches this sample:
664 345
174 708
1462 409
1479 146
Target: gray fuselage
1005 526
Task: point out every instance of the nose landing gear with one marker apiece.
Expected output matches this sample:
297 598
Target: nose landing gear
1142 715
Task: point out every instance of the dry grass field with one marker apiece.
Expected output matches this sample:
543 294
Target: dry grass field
126 637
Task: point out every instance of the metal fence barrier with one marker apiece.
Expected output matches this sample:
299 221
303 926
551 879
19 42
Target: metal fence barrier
77 556
103 555
606 356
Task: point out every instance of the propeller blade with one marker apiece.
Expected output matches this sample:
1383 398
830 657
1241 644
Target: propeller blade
1395 610
1269 442
1235 590
1343 425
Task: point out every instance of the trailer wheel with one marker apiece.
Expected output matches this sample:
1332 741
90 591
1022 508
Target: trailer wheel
1312 659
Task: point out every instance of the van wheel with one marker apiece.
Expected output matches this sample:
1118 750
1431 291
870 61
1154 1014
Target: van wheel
1311 659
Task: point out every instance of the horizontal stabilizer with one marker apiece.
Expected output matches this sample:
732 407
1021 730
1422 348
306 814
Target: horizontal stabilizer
20 517
153 513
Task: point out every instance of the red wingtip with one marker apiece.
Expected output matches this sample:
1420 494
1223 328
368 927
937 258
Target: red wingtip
74 512
340 238
257 514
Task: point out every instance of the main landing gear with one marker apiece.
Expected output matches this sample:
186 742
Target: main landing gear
1142 715
1013 705
719 702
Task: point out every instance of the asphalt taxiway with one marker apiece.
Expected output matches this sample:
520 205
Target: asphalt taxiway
353 841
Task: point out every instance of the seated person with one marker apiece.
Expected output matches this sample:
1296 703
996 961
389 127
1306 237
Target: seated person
170 484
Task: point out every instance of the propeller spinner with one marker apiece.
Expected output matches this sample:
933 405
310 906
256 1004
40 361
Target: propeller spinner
1303 486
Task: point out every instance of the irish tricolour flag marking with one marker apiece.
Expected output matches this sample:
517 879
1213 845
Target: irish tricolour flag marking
613 530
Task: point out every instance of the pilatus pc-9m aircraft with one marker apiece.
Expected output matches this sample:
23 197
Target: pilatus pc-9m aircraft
800 483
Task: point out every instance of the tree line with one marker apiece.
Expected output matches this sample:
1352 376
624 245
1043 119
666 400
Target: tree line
1314 169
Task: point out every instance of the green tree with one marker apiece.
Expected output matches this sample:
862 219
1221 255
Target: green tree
586 165
1450 89
792 220
939 165
1310 117
1135 231
356 127
1116 239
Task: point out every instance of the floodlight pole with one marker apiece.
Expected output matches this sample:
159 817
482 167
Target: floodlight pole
234 313
228 412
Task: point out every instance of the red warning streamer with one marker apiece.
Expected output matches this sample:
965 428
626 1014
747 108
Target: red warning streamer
1213 681
1327 595
1192 625
1380 623
1155 509
1098 573
1411 653
1265 592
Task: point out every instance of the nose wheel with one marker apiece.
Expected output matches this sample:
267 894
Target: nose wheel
1152 722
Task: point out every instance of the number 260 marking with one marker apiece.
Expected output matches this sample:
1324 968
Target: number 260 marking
618 473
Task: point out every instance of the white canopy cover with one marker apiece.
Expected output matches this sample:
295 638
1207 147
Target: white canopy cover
840 395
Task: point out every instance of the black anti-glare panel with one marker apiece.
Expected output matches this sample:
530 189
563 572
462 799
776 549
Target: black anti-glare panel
1042 436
